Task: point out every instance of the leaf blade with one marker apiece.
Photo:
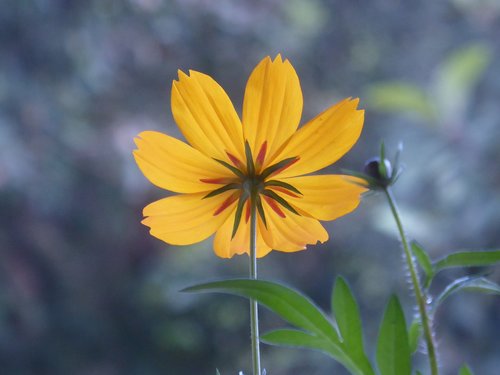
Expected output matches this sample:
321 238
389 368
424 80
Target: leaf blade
467 283
289 304
468 259
393 351
300 339
346 311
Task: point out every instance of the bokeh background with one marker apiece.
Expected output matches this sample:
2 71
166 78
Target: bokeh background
85 290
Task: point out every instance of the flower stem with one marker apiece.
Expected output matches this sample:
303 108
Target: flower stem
419 292
254 312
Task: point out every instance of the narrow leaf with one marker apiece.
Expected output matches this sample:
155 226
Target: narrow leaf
465 370
248 154
393 351
346 311
233 169
300 339
238 214
289 304
283 185
400 97
468 259
285 163
468 283
280 200
414 335
423 259
260 209
222 190
217 372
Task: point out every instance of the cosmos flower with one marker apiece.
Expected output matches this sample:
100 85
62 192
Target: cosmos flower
262 159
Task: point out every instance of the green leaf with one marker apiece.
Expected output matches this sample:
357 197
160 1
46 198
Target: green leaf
217 372
346 311
414 335
300 339
289 304
457 76
283 185
295 308
223 189
465 370
280 200
393 351
400 97
424 261
239 211
470 284
468 259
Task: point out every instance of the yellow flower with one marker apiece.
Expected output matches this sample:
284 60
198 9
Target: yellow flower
228 161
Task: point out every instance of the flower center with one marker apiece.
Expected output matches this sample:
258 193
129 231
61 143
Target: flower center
251 183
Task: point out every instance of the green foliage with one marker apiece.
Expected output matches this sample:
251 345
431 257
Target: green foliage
423 260
465 370
414 334
314 330
468 259
400 97
393 350
217 372
468 283
444 99
458 75
346 312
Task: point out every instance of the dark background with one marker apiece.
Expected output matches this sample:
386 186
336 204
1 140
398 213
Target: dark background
85 290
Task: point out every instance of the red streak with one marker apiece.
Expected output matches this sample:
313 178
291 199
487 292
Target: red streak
248 211
274 206
285 191
218 181
229 201
236 162
262 155
286 166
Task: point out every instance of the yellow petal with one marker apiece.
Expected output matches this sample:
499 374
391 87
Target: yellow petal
174 165
324 139
325 197
206 116
186 218
224 247
292 233
272 105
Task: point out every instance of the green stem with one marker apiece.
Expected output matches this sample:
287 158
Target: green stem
254 312
419 293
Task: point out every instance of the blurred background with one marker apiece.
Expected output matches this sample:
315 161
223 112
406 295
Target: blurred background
85 290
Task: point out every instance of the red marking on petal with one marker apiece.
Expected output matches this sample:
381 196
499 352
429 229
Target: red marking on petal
285 191
248 211
261 155
292 162
274 206
229 201
236 162
218 181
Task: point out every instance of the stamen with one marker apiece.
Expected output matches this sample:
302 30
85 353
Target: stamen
236 162
229 201
259 162
274 206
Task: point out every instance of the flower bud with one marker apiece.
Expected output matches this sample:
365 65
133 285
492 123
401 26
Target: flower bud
381 174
